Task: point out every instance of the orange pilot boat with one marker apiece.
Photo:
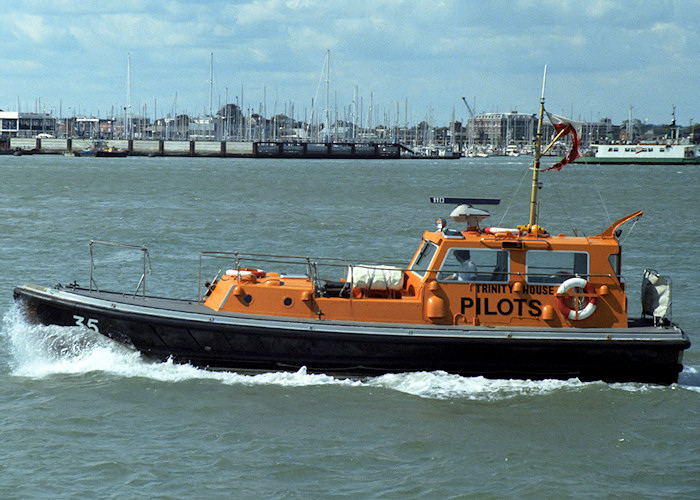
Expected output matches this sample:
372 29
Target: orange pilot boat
498 302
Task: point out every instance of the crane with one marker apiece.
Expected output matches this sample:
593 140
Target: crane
470 128
468 107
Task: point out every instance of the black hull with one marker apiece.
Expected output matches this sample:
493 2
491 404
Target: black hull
112 154
104 154
189 332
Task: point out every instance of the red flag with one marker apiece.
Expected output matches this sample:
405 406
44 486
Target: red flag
570 127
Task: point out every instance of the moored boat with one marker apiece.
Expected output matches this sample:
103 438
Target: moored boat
102 150
494 301
433 152
672 151
640 154
512 150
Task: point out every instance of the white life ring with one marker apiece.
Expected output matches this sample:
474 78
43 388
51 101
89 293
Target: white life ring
563 290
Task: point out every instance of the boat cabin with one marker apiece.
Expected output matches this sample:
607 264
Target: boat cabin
492 277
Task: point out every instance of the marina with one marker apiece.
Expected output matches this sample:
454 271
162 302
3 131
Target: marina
595 154
229 133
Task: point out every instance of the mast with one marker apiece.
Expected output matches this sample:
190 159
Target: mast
536 164
630 129
354 114
211 84
128 95
674 130
328 84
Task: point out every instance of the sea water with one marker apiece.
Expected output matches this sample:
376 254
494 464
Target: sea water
83 417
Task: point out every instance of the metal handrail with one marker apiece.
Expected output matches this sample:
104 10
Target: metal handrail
284 259
146 258
312 265
338 262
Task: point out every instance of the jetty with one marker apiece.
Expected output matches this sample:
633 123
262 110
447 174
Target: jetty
278 149
224 149
135 147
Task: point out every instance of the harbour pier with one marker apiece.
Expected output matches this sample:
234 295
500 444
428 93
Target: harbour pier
327 150
224 149
135 147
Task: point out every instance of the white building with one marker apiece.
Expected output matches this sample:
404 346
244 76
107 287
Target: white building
18 124
502 129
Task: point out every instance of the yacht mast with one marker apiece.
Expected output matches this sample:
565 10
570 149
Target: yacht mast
674 129
630 129
328 84
128 94
211 83
536 164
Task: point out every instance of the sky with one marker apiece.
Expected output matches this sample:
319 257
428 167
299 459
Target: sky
406 60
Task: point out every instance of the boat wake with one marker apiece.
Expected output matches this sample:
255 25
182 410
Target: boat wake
690 378
38 351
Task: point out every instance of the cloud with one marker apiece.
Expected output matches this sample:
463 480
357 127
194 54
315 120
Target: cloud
307 39
30 28
429 52
21 66
259 11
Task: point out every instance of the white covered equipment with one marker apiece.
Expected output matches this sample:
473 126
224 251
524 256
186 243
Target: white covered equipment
375 277
656 294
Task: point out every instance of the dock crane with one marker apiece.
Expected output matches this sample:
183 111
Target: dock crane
470 126
471 113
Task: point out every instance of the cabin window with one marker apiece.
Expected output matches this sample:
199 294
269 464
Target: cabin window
549 267
614 260
422 263
475 265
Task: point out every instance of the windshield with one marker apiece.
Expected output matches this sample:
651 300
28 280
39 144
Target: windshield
422 263
475 265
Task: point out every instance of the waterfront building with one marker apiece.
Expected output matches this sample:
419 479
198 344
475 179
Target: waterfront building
501 129
20 124
203 129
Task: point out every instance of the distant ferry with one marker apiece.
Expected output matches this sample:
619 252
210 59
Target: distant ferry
652 154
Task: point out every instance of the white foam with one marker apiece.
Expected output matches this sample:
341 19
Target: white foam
442 385
39 351
43 351
689 378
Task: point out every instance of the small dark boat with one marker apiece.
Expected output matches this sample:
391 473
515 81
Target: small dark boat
18 152
102 150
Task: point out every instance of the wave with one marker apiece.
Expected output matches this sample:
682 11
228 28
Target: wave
690 378
40 351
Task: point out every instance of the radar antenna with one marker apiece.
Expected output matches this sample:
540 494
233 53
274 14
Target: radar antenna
465 211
